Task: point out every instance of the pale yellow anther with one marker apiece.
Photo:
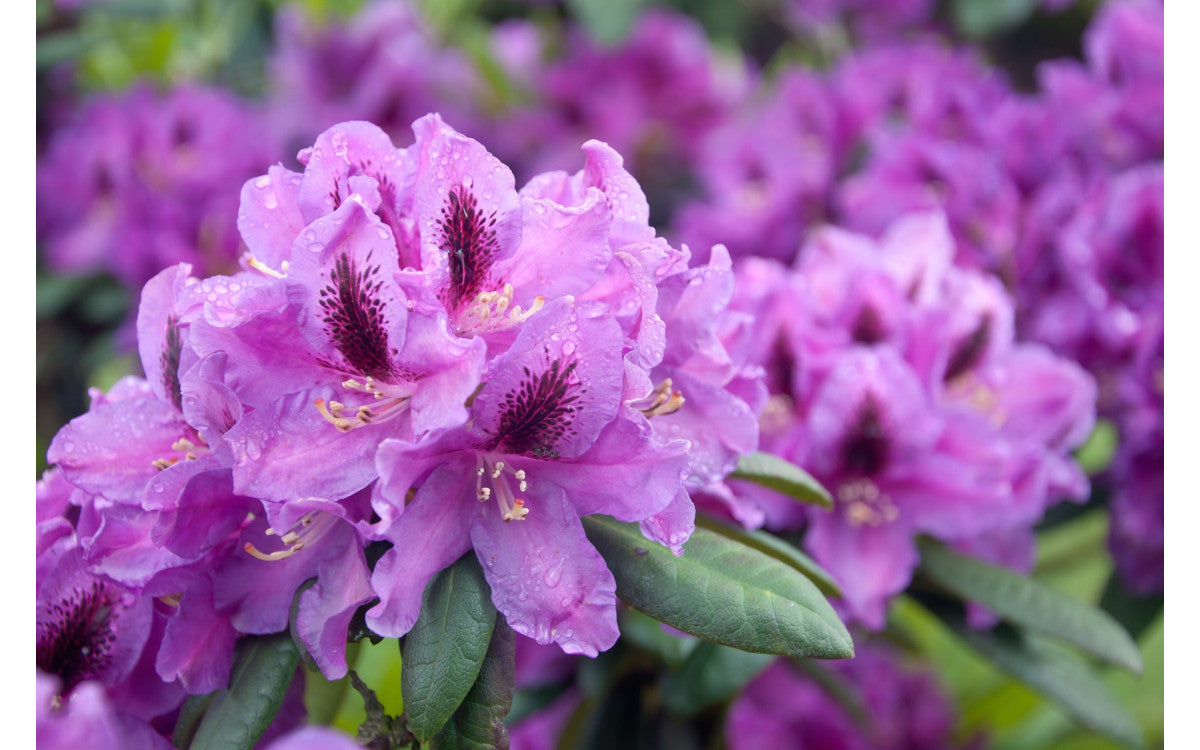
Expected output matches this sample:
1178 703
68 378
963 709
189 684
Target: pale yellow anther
661 401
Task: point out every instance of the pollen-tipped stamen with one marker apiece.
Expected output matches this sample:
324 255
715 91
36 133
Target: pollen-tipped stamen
363 415
258 265
865 505
661 401
512 508
490 311
190 450
311 527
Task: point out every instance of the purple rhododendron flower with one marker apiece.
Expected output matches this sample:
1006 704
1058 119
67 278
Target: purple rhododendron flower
550 423
910 401
410 335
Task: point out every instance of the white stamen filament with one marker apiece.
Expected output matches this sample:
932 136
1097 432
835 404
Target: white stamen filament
311 527
258 265
512 508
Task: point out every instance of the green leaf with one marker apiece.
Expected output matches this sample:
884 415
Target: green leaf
239 715
191 713
782 476
1056 674
710 675
478 724
775 547
1096 454
647 633
721 590
1025 602
980 18
608 21
444 651
1135 613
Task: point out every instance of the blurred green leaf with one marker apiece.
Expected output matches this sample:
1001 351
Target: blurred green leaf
239 715
782 476
1097 452
608 21
478 723
647 633
1030 604
981 18
710 675
722 591
775 547
1135 613
446 647
1058 675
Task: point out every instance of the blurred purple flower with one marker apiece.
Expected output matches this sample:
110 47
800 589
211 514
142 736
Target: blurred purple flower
139 181
901 707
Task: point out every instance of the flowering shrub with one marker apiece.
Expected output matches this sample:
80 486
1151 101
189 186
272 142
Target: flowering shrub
537 376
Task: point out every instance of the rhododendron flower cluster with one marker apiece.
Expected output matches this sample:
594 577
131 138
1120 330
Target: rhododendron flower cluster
1058 193
899 384
415 353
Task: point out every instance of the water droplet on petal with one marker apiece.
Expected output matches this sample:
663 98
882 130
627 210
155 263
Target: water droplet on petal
262 182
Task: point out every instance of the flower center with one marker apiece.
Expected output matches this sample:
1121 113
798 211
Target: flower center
487 467
538 413
354 318
468 237
865 447
75 637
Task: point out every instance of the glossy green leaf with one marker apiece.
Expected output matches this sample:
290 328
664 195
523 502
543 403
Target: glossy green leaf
239 715
721 590
782 476
1059 676
777 548
711 674
478 724
444 651
1025 602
